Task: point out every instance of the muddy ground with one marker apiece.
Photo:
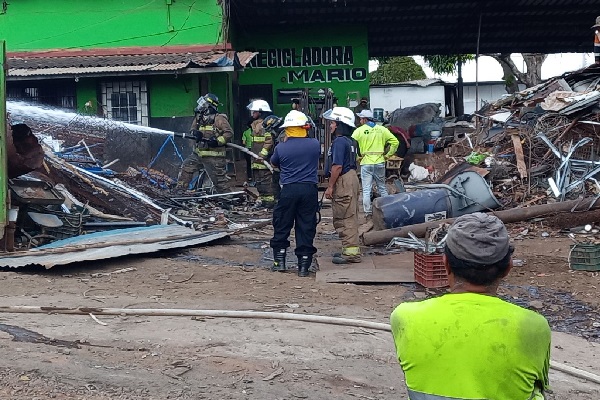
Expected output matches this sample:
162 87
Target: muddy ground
124 357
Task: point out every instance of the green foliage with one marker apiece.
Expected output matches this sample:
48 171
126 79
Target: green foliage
446 64
397 69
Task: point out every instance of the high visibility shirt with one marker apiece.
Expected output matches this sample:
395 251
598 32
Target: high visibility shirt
372 142
471 346
597 45
247 138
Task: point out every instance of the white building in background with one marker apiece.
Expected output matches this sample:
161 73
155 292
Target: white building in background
390 97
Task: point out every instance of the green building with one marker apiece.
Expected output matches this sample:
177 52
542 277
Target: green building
148 62
135 61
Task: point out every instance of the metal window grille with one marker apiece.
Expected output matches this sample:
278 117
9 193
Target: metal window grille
126 101
58 94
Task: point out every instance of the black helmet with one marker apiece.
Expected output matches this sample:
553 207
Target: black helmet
271 123
207 103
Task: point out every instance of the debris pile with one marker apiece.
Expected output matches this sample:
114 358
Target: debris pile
542 144
76 190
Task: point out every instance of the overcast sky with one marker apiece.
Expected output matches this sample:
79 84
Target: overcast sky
490 70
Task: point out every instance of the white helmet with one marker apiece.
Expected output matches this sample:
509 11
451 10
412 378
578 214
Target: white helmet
295 118
258 105
367 114
340 114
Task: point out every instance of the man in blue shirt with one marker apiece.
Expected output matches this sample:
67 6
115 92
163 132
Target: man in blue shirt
343 186
298 158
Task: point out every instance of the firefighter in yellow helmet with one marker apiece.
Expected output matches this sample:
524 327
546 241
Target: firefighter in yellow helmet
213 132
298 159
262 143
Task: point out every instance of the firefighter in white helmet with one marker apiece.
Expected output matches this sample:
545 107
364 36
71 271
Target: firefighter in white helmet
262 142
298 159
343 188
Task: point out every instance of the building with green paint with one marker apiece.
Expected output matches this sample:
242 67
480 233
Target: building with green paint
135 61
291 61
148 62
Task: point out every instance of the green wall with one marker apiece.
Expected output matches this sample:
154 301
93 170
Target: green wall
321 57
86 91
64 24
173 96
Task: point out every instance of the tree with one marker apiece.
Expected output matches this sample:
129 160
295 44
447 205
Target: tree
513 76
397 69
447 64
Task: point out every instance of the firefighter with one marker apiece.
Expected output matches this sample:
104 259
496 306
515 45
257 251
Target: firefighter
343 188
272 125
298 159
262 142
213 132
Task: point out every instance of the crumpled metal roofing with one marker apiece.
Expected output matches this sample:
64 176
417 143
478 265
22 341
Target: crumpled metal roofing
35 65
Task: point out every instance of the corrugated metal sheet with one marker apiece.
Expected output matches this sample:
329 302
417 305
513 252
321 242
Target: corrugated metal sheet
23 65
111 244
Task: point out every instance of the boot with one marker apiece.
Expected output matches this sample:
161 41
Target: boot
347 256
278 260
339 258
304 263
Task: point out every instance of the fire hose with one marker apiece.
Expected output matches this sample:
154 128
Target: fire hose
322 319
254 155
231 145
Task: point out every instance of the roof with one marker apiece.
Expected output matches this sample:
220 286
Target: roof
429 27
102 62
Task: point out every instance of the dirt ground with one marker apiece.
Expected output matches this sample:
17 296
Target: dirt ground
123 357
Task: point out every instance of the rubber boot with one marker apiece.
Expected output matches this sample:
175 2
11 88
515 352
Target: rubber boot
347 256
304 263
278 260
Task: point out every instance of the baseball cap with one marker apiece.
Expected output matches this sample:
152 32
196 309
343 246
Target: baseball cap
478 238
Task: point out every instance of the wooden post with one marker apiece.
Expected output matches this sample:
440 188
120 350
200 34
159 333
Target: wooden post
506 216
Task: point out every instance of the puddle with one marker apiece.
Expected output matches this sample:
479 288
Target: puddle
25 335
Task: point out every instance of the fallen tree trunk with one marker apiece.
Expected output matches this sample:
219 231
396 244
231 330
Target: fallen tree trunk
507 216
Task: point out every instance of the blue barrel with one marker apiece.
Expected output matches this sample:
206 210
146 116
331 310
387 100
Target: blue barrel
416 207
378 114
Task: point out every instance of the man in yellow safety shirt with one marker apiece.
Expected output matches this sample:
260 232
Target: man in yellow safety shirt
372 141
213 132
469 344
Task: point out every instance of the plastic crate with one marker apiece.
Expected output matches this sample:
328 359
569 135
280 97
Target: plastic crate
430 270
585 257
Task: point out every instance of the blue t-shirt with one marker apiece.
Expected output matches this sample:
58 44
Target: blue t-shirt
343 151
298 160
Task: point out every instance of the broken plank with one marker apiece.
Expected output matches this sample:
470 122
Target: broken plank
390 268
384 275
521 167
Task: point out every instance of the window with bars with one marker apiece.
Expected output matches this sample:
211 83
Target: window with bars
58 93
126 101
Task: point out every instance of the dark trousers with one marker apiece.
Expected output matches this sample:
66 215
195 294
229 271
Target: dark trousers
248 158
298 204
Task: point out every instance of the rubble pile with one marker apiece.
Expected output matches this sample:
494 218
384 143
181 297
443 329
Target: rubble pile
540 145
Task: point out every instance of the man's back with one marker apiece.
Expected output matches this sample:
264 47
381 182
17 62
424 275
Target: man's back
372 141
298 160
471 346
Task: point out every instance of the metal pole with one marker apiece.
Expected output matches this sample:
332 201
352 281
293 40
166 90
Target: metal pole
477 65
4 200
